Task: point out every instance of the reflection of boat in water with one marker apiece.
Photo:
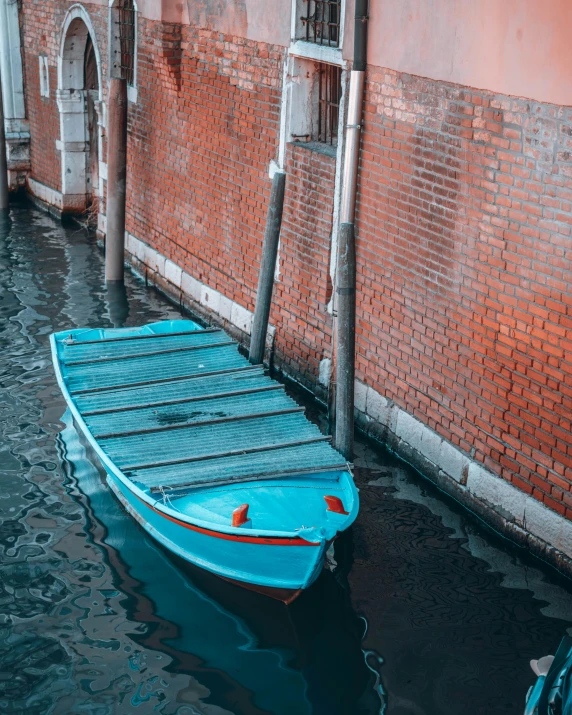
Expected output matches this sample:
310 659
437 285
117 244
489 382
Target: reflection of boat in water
322 633
254 654
211 457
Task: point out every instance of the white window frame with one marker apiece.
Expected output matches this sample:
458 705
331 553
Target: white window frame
297 92
295 107
312 50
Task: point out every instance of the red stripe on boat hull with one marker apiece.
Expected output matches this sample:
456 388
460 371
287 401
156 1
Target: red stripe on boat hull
263 540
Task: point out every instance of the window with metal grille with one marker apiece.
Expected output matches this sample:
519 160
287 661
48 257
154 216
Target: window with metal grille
124 50
329 93
321 21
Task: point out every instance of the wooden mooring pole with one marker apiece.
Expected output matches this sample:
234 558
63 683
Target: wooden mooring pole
116 179
4 198
267 269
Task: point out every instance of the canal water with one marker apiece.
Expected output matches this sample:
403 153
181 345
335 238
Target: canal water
421 611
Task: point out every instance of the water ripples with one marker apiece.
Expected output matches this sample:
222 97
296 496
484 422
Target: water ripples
421 610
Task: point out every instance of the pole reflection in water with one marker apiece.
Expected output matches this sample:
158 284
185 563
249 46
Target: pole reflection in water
247 650
117 303
5 223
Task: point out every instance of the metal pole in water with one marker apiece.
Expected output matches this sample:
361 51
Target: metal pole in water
346 323
346 257
116 179
267 269
4 200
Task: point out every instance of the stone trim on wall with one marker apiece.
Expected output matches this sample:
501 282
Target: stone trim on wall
54 199
205 300
49 196
511 511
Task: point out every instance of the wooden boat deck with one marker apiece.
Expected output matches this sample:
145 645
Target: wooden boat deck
185 409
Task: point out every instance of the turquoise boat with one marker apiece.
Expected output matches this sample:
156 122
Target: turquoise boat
206 452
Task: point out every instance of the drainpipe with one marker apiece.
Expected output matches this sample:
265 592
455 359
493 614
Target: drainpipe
346 258
3 161
267 269
116 179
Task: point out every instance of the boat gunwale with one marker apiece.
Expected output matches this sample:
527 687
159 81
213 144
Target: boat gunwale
145 336
245 577
156 504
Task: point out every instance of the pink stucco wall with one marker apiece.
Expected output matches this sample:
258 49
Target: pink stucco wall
516 47
260 20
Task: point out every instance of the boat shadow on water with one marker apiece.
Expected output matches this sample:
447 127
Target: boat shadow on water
254 654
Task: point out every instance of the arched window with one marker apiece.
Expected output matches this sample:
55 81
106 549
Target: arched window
124 41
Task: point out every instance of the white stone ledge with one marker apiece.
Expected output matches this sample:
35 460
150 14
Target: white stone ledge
17 136
496 493
71 146
318 53
17 127
201 293
132 94
45 193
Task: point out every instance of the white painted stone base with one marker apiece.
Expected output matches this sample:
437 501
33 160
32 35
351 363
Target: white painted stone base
17 151
45 193
208 298
494 493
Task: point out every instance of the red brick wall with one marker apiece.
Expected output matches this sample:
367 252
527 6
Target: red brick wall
41 25
463 229
303 325
202 136
464 274
44 126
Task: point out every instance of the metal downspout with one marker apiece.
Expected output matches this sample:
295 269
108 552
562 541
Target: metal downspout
346 258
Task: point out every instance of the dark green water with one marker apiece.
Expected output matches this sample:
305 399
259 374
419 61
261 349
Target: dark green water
421 611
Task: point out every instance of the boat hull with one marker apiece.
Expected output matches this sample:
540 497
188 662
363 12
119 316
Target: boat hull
266 566
181 422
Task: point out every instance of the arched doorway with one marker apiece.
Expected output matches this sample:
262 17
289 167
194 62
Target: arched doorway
79 102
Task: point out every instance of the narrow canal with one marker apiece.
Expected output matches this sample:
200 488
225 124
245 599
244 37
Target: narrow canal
422 611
